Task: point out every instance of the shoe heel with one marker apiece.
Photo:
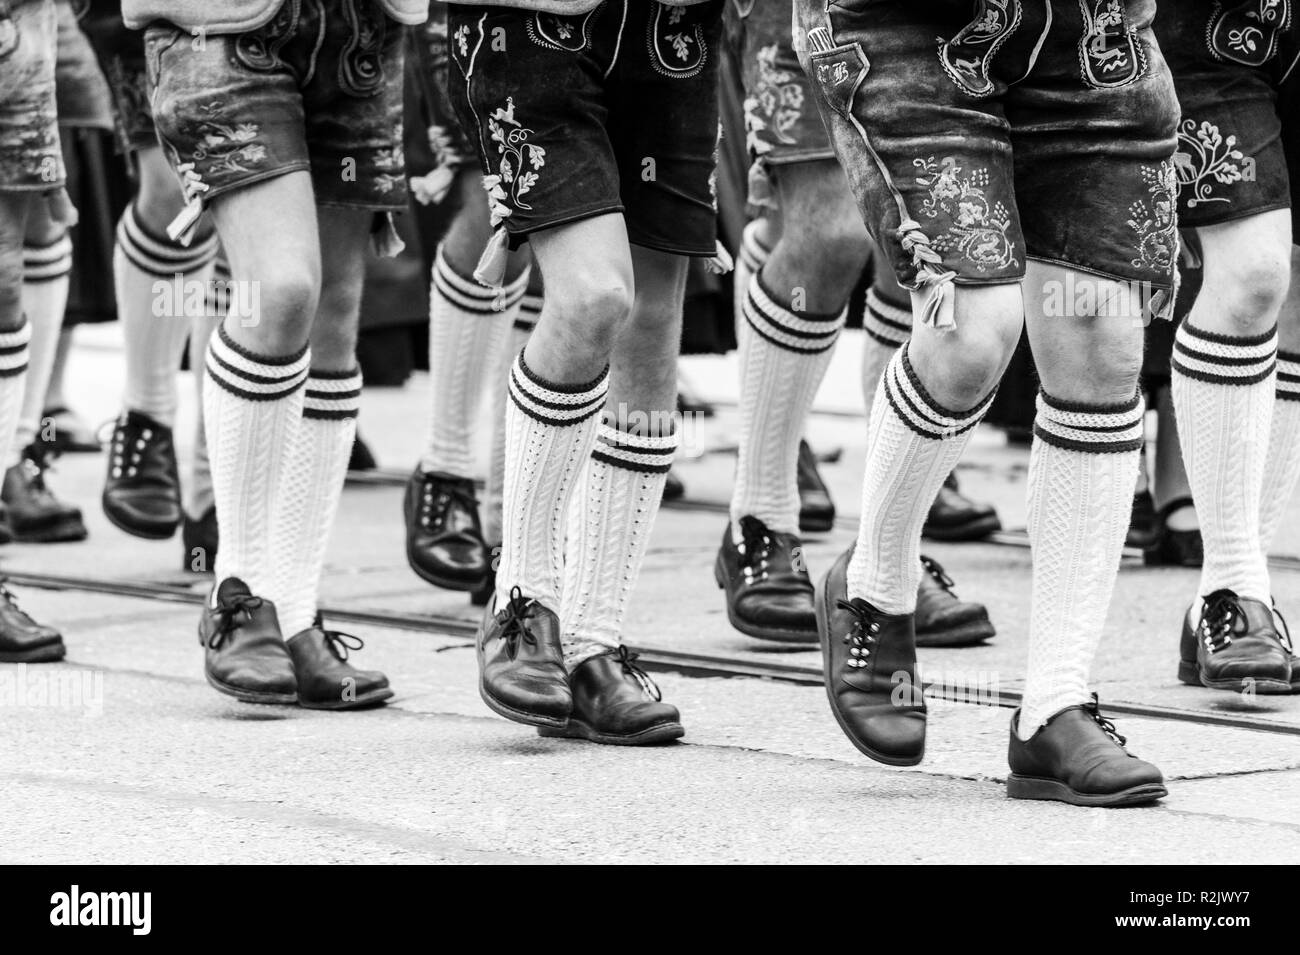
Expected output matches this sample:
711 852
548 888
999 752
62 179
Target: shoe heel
719 577
1189 673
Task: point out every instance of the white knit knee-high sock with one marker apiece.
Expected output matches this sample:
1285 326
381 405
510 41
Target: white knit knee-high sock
309 494
46 277
155 325
749 262
1282 463
1082 474
550 429
610 520
252 409
912 444
196 492
783 359
1224 389
13 379
468 323
530 309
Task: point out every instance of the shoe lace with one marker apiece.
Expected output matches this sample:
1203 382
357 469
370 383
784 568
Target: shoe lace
628 660
228 617
1093 709
1221 613
437 494
940 576
8 597
755 548
340 643
865 630
514 622
1283 628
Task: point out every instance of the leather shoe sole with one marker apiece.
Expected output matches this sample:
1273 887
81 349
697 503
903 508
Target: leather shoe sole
755 630
46 653
1190 672
62 531
1038 787
517 715
817 522
963 634
364 701
245 695
823 615
655 735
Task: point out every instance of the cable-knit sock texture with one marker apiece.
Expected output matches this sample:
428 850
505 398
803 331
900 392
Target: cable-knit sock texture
912 444
610 520
13 379
155 327
753 255
1224 390
252 409
889 327
550 430
468 323
530 309
46 278
1282 463
309 494
783 358
1082 475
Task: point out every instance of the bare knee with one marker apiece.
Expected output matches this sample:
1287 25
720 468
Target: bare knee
286 305
960 366
1247 274
593 307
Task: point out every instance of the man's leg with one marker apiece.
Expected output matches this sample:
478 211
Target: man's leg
1224 387
468 326
1083 469
35 514
791 318
199 537
142 494
1282 463
613 512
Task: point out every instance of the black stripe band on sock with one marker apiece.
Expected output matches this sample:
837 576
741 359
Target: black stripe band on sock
242 352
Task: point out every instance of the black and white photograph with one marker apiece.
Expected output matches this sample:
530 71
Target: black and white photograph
649 432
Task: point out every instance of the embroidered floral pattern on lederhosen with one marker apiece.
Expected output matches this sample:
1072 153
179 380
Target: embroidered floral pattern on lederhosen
1110 53
968 56
677 46
361 67
777 103
977 227
1206 160
519 167
555 32
260 49
1155 220
1247 33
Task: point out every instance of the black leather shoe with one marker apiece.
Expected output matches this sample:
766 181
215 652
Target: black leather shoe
1170 548
1142 521
1235 645
244 652
70 434
142 493
615 702
870 668
326 680
35 515
955 517
199 539
769 592
1078 758
361 458
6 529
444 540
942 618
816 509
22 639
1284 632
521 663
